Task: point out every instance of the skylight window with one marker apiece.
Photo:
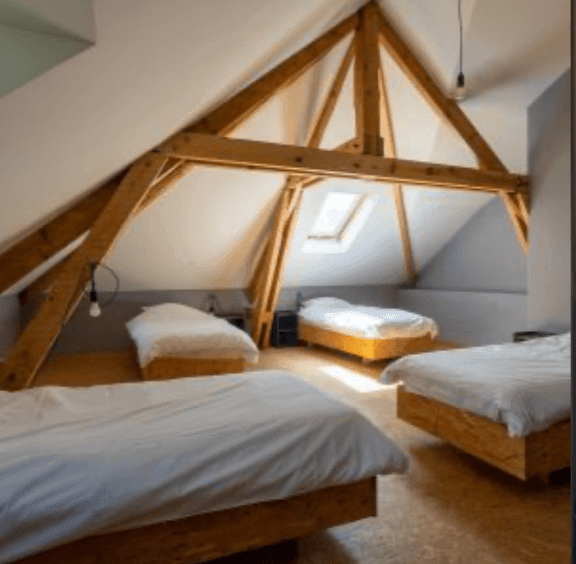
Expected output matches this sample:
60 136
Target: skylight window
336 213
339 222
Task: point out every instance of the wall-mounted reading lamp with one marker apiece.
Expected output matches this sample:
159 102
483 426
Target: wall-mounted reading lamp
95 308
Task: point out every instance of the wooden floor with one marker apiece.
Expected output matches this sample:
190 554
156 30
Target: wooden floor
448 508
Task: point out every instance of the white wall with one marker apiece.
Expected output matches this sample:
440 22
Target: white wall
550 265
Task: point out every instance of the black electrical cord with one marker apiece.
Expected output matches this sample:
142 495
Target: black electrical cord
460 24
115 294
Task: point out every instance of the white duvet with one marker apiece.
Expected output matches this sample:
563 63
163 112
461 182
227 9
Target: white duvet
178 330
79 461
524 385
366 321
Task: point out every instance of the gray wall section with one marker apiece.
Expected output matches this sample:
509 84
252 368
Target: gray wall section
549 264
9 322
108 332
485 255
469 318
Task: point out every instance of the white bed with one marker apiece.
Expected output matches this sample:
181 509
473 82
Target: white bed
369 332
521 388
367 322
174 339
75 462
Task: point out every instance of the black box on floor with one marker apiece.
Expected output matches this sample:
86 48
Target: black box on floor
285 329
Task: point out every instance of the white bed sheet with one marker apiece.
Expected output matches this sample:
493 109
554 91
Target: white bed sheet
524 385
368 322
203 336
79 461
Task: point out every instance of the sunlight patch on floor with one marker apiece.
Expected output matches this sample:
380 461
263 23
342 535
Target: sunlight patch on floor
354 380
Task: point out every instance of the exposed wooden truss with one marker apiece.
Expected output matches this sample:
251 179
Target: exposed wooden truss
106 211
260 155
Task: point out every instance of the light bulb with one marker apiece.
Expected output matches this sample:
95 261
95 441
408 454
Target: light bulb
95 309
461 91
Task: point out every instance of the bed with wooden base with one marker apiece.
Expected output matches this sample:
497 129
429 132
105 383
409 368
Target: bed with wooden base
367 349
533 456
508 405
183 470
161 368
372 333
201 538
174 340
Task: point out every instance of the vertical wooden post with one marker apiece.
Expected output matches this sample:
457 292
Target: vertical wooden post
367 90
390 146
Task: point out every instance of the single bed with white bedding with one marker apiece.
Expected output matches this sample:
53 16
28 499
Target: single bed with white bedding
523 387
76 462
168 334
367 331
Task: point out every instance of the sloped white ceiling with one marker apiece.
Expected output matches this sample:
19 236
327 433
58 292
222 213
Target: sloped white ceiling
158 65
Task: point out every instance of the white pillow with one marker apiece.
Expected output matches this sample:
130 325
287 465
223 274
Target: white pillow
163 312
328 303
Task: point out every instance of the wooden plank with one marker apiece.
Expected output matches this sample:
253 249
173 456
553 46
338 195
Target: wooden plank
476 435
31 348
58 233
167 367
359 86
212 535
372 349
368 64
524 457
447 108
549 450
282 258
327 110
259 155
401 216
278 227
517 221
64 229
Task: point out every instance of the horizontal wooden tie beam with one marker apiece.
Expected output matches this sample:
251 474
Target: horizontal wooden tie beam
258 155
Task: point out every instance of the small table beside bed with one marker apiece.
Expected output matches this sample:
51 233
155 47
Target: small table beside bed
175 340
371 333
509 404
183 470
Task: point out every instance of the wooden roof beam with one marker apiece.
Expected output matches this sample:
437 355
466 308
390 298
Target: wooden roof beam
390 151
25 357
59 232
258 155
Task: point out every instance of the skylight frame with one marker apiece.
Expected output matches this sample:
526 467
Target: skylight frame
344 223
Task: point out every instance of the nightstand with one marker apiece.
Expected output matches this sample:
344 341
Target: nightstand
285 329
520 336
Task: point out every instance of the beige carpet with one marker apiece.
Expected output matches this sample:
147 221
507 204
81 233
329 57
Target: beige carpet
448 508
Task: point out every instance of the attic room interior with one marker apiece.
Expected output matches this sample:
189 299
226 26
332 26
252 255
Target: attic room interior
285 281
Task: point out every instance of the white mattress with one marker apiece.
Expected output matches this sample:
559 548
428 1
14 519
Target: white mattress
524 385
368 322
204 336
79 461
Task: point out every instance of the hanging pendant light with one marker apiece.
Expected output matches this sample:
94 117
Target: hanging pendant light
461 91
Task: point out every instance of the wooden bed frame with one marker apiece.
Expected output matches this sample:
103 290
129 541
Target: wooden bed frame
368 349
533 456
212 535
166 367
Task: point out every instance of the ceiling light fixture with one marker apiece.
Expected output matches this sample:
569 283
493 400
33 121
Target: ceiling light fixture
461 91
